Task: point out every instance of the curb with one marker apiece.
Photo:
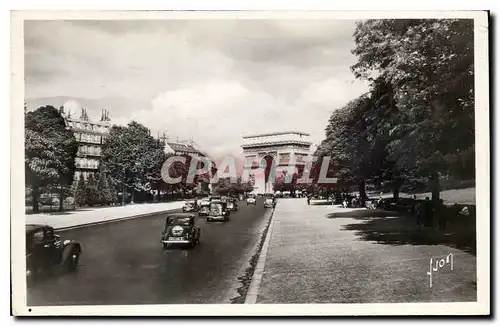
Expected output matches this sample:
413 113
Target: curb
67 228
258 273
234 293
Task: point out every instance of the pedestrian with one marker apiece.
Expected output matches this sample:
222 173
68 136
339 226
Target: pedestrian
413 206
308 200
428 212
420 214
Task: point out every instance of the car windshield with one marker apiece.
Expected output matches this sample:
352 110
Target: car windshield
178 221
216 208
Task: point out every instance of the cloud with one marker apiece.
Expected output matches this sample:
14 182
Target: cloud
209 80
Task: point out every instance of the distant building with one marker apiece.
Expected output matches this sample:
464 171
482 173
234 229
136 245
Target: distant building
276 151
192 149
90 135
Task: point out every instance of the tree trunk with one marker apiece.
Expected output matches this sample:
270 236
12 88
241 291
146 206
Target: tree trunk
61 198
435 187
35 195
362 189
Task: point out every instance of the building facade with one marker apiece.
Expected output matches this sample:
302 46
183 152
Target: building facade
190 148
90 136
275 152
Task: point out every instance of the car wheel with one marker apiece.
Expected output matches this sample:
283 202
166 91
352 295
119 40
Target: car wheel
72 261
165 246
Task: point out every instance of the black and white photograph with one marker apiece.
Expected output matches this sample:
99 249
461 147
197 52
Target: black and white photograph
250 163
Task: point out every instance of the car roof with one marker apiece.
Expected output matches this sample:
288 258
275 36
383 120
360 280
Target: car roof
34 227
180 215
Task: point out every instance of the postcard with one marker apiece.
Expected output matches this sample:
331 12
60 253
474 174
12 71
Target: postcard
212 163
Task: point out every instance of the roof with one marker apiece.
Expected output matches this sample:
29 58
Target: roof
34 227
277 134
179 147
278 142
180 215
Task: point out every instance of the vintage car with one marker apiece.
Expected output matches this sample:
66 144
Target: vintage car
251 200
269 202
232 204
46 251
204 207
218 211
190 206
180 229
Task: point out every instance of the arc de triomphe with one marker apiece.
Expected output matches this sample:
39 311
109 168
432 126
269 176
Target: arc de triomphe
274 152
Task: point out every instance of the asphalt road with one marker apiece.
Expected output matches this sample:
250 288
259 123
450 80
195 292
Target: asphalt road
124 263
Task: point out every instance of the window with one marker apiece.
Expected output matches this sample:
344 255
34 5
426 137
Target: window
38 237
49 234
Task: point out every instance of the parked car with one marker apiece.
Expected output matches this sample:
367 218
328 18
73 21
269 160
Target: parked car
190 206
181 229
251 200
232 204
218 211
46 251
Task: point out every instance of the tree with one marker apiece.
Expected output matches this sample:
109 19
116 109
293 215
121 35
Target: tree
50 151
349 146
80 192
130 155
430 66
222 187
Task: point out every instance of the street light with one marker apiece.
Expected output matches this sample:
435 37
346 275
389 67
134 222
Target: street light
123 184
137 164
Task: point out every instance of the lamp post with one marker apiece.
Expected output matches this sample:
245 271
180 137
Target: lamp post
123 184
137 164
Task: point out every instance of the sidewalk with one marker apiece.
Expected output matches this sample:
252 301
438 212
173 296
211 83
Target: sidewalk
465 196
315 259
96 215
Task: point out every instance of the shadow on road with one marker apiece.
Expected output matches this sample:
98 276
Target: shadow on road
391 228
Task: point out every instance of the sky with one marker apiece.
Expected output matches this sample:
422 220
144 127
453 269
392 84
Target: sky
209 80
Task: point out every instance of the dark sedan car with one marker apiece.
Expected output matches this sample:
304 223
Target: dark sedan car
46 251
181 229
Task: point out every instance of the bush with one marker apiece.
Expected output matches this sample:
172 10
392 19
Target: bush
80 192
91 194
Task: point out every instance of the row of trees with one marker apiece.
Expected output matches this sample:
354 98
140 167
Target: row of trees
133 158
131 162
96 190
225 187
417 121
